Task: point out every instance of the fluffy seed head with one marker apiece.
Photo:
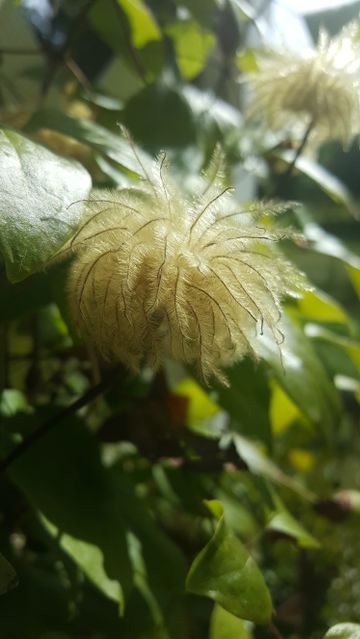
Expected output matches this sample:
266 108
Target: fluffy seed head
158 274
322 86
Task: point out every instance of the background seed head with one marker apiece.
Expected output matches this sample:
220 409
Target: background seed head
321 86
159 274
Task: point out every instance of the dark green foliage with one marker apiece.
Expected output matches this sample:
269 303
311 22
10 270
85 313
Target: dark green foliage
162 509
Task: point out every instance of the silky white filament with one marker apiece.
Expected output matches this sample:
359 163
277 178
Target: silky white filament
158 274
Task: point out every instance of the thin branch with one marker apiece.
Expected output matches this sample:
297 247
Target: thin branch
78 73
55 60
56 419
288 172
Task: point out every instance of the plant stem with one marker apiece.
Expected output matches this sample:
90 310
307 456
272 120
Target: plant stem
299 150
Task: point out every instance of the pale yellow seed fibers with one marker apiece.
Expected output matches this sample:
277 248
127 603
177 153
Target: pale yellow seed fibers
159 274
321 87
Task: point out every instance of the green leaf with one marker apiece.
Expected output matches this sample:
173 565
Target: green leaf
317 305
246 61
109 143
160 117
8 576
192 46
325 243
225 572
79 502
344 631
95 509
142 23
90 559
302 375
224 625
354 275
281 521
328 182
23 297
351 347
247 400
12 401
37 188
259 464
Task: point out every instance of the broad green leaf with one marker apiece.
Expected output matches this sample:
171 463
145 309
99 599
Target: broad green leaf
23 297
107 142
160 117
318 306
246 61
79 502
40 606
354 274
209 112
37 189
8 576
350 346
202 10
302 375
344 631
200 405
142 23
281 521
90 559
12 401
247 400
95 508
224 625
282 409
225 572
192 46
259 464
325 243
328 182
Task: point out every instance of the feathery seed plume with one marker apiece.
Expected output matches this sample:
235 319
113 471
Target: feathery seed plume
156 273
320 87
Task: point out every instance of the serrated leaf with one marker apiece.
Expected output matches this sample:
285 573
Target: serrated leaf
8 576
37 188
225 572
344 631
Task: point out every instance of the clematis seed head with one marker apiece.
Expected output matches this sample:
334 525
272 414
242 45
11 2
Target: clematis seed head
321 87
157 273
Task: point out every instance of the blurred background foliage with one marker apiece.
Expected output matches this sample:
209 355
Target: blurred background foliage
142 515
